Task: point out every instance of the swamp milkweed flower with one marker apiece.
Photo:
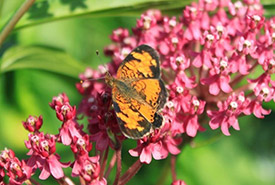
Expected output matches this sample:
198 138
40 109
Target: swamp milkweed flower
207 56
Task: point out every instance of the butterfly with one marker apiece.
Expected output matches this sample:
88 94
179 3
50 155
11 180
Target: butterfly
138 93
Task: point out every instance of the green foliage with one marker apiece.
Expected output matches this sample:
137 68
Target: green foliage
52 10
40 58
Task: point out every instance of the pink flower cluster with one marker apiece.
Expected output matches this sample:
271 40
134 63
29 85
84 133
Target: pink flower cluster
42 151
17 171
207 57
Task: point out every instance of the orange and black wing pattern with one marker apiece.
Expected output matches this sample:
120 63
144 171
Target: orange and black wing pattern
139 93
131 122
142 62
154 95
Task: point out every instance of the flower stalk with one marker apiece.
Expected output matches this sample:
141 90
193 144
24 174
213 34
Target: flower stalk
130 172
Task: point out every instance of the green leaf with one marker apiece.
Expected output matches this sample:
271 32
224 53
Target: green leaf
267 2
37 57
51 10
269 10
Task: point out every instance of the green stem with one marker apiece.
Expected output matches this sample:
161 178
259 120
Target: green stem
20 12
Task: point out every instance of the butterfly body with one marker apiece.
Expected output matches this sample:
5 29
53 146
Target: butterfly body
138 93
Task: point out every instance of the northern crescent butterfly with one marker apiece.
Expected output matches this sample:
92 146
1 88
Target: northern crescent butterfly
138 93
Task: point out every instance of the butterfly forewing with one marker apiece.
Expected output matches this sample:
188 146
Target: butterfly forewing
142 62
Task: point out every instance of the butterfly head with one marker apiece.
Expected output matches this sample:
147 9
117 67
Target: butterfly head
109 79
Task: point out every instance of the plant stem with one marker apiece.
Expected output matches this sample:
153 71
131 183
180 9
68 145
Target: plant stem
28 182
20 12
68 180
111 165
82 181
34 182
104 162
173 167
118 165
65 181
130 172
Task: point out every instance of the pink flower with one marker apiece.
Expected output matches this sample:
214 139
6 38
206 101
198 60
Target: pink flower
255 107
219 77
177 63
247 46
81 145
191 123
238 63
68 131
42 151
59 100
157 146
178 182
65 112
119 35
5 157
228 113
18 171
33 123
190 15
89 171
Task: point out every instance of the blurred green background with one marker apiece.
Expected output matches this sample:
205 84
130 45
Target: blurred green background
54 42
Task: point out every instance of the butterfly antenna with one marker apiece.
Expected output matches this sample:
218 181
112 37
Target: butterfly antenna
104 69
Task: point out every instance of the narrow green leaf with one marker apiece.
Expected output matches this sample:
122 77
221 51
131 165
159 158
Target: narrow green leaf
36 57
267 2
51 10
269 10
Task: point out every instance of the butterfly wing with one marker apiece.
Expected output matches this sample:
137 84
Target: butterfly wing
152 97
142 62
131 122
143 94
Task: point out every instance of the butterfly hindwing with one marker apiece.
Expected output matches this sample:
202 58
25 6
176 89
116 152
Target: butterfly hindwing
131 122
152 96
